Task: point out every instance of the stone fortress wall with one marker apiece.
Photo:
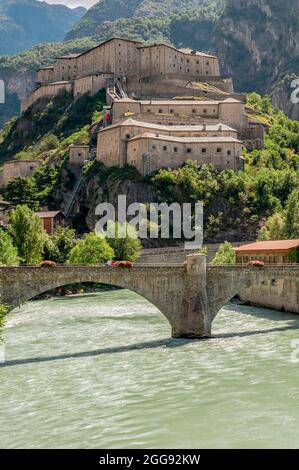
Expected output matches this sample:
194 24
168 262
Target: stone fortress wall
230 111
15 168
128 61
114 141
50 90
149 152
164 132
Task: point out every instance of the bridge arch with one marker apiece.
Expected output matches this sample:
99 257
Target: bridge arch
154 284
189 296
237 279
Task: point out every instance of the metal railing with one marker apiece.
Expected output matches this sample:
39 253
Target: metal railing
70 205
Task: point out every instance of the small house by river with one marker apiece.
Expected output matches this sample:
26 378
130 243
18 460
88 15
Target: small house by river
270 252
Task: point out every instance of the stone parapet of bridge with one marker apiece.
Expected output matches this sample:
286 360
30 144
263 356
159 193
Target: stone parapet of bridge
189 295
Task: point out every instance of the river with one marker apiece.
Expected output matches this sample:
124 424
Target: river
101 371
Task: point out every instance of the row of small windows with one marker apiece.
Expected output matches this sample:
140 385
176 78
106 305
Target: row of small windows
182 60
189 149
171 111
69 67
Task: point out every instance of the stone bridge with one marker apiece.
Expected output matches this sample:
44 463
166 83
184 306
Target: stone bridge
189 295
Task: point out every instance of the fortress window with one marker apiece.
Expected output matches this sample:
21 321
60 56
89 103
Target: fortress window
180 68
197 71
188 61
171 111
189 150
128 136
203 150
160 111
207 73
208 63
148 110
205 111
194 111
228 152
175 149
164 148
153 147
219 150
174 65
63 67
188 70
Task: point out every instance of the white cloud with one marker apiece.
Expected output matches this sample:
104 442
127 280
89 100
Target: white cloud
72 3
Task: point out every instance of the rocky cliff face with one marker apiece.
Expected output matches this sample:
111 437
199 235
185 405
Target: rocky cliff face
258 42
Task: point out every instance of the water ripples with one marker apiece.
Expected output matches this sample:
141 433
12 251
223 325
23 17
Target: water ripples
102 371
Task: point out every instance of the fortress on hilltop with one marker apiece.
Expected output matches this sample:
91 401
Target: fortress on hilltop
166 105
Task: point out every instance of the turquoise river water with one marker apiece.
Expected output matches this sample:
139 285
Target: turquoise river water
101 371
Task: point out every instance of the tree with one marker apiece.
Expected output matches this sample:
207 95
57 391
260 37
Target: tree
3 312
283 225
124 240
28 234
225 254
59 245
274 228
92 249
8 252
291 216
21 191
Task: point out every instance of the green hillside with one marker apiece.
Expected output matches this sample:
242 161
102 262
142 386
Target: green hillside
24 23
121 15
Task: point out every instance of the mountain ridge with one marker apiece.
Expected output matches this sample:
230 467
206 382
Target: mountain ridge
24 23
246 35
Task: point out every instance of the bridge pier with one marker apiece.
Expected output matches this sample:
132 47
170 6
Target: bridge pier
194 320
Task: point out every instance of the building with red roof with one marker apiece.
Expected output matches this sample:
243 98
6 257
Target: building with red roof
270 252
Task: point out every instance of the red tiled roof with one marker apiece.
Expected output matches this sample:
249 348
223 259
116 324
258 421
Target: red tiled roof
49 214
271 245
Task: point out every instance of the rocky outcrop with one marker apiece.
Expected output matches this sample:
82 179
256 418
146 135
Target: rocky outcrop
258 43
